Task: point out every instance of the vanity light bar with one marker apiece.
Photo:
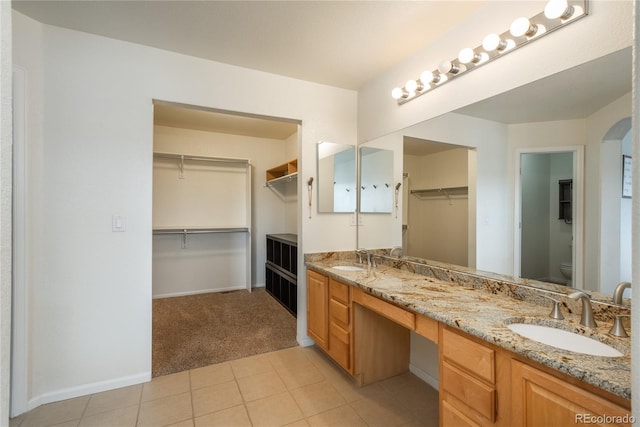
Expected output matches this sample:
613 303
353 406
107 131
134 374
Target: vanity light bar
522 31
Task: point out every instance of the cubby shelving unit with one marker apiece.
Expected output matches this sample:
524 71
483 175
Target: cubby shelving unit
281 275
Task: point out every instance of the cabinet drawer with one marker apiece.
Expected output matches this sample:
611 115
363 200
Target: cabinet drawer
339 291
339 346
474 393
427 327
337 332
452 417
339 313
469 354
390 311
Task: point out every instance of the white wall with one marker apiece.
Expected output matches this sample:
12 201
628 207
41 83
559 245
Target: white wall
6 182
89 310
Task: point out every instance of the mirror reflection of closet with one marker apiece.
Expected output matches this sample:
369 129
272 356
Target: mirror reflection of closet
376 180
336 177
438 219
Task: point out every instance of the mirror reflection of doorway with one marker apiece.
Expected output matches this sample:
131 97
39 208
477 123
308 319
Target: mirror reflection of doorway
439 210
546 249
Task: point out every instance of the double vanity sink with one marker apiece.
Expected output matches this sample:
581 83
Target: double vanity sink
519 326
563 339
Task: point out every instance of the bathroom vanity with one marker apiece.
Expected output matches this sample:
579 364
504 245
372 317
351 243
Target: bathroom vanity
361 317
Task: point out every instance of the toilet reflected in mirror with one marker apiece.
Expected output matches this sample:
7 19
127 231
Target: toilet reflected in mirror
566 268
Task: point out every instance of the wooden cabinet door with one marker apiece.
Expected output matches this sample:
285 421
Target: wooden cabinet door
542 400
318 308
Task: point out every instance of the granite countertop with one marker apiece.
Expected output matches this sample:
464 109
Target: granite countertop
486 315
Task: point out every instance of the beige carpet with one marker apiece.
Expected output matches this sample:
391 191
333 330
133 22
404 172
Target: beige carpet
199 330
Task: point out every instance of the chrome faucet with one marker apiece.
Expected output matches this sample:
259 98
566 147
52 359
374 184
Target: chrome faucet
617 294
363 252
396 249
617 330
586 319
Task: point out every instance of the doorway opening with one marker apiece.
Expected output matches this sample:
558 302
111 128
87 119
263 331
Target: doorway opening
549 215
439 211
209 238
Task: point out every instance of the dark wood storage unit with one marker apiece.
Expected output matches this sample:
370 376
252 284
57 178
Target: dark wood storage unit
565 195
281 279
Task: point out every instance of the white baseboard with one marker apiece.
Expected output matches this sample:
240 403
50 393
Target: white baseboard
305 341
202 291
87 389
424 376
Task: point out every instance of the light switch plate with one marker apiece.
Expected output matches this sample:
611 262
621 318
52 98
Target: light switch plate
118 223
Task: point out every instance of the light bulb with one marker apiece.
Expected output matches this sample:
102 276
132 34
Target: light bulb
411 86
467 55
493 42
558 9
447 67
522 27
397 93
426 77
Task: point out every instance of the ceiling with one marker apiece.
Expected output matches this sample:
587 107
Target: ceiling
338 43
572 94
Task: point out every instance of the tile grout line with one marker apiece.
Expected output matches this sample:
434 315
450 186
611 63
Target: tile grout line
193 411
140 403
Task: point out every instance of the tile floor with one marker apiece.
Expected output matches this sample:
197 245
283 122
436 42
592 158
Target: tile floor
292 387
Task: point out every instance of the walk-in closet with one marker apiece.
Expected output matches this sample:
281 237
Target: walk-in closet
439 201
212 212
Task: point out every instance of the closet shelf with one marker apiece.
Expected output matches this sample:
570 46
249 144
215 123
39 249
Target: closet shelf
202 158
282 171
448 192
199 230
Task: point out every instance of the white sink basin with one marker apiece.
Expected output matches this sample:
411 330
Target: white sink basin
564 339
348 268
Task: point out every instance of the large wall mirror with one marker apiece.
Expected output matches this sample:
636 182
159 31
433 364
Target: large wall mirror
336 177
376 180
589 107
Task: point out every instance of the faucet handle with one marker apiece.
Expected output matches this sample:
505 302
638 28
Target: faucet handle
555 311
617 330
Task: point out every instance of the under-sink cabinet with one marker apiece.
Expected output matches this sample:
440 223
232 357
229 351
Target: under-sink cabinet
318 308
484 385
329 317
541 399
481 384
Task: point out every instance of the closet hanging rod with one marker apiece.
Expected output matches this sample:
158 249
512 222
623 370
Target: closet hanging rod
201 230
282 179
202 158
